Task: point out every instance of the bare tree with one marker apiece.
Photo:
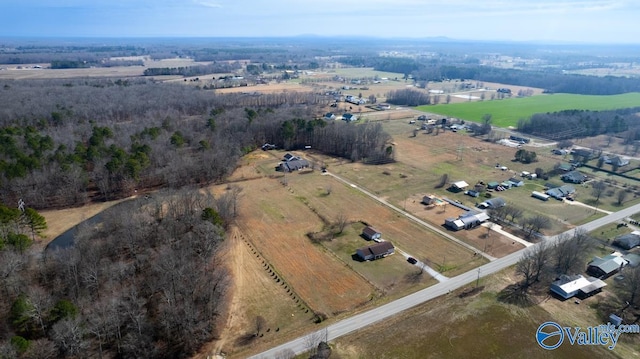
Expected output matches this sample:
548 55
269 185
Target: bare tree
312 341
341 222
534 224
534 265
597 189
514 212
621 196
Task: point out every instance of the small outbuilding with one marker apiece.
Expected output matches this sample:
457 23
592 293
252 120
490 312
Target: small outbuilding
540 195
493 185
459 186
375 251
371 233
516 182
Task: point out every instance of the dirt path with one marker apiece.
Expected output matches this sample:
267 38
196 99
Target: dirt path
234 255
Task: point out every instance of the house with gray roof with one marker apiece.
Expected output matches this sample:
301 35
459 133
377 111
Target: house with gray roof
466 221
561 192
574 177
618 161
628 241
607 265
375 251
492 203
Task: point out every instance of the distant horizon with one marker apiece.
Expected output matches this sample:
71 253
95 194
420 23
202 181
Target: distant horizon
432 39
522 21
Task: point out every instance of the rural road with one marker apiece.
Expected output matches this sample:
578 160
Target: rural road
367 318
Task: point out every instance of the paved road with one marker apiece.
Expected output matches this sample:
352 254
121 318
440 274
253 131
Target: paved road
367 318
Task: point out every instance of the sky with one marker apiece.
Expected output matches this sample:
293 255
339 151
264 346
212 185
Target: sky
580 21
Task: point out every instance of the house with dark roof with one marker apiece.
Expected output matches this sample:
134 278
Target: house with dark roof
292 163
329 116
628 241
574 177
566 167
606 266
584 153
561 192
349 117
375 251
576 285
371 233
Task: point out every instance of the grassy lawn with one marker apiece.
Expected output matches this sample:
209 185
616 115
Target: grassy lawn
387 273
507 112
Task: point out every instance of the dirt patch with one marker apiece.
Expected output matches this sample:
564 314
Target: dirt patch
61 220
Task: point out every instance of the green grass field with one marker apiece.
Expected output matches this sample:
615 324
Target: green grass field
507 112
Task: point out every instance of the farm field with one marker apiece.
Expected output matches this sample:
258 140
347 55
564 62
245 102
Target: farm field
507 112
276 223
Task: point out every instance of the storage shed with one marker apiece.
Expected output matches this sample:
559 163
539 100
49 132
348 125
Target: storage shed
371 233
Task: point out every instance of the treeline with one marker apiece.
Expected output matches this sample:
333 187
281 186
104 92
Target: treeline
146 283
581 123
222 67
97 140
443 68
408 97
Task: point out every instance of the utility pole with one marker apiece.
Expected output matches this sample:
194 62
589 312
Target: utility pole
478 280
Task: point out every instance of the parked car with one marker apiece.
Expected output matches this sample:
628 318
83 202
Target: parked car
412 260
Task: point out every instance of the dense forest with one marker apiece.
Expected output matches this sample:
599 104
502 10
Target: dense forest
66 142
146 283
581 123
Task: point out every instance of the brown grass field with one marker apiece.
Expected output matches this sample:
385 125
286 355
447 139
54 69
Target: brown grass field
478 326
